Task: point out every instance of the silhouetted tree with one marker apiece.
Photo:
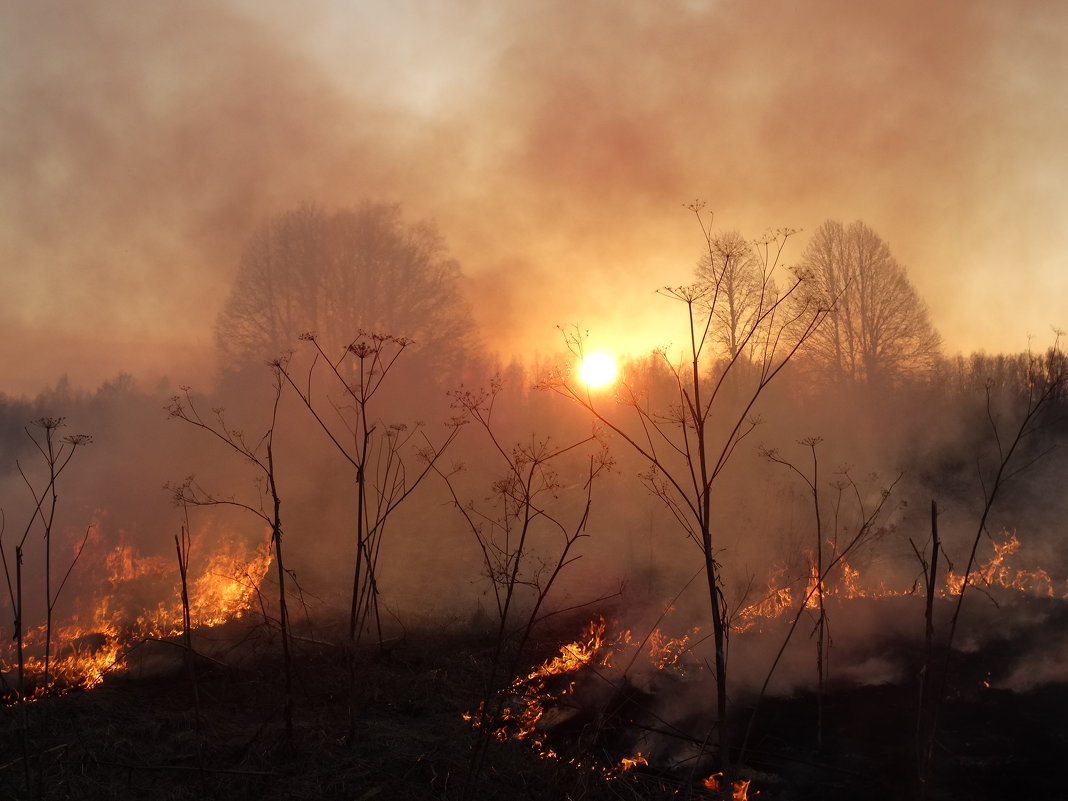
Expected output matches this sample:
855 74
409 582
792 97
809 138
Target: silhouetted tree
879 330
338 272
738 286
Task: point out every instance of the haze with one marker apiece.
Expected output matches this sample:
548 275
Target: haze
554 144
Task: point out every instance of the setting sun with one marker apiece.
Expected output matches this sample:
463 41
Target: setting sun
598 369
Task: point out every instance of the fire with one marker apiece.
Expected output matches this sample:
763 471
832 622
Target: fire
996 573
574 655
534 704
519 717
739 788
846 582
777 601
815 584
666 652
627 763
85 647
531 704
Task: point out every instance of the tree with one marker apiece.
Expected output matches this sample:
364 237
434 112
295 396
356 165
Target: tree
336 273
879 331
738 287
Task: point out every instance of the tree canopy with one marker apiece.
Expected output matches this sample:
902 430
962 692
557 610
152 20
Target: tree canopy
739 289
878 331
337 273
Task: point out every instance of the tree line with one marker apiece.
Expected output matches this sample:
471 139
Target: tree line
366 268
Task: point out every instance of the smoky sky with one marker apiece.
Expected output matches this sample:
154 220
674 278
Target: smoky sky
554 143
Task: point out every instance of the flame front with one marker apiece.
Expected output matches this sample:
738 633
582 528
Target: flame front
529 709
85 647
574 655
997 573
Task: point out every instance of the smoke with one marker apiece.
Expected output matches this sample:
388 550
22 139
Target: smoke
147 143
554 145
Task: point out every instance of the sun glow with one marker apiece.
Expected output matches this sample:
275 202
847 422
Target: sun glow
598 369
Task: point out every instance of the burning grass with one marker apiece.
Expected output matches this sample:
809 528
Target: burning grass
155 733
125 608
601 710
159 732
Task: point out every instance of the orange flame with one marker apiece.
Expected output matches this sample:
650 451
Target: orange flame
667 651
627 763
528 699
996 573
574 655
85 647
739 788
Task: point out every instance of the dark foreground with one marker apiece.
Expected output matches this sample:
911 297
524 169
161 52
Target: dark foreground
163 731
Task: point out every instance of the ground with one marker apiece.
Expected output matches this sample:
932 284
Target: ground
216 729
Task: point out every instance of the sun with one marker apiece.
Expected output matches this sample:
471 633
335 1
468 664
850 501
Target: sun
597 369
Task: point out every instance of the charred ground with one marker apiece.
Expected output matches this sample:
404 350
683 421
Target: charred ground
168 730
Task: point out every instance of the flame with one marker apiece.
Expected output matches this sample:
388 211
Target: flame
777 601
996 573
665 652
520 715
86 647
815 584
576 654
627 763
846 582
528 700
739 788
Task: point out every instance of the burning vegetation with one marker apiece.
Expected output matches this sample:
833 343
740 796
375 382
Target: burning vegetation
733 619
139 600
387 563
604 692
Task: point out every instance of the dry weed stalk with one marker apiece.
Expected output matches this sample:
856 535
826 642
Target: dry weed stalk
379 453
1044 395
260 454
516 536
687 442
56 453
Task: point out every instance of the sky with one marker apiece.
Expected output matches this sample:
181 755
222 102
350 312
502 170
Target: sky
555 144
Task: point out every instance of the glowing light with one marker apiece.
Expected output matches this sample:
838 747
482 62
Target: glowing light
88 646
598 369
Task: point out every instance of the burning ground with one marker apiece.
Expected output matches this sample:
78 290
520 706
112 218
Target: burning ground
609 704
461 587
167 672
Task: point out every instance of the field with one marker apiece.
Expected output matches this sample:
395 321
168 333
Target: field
213 726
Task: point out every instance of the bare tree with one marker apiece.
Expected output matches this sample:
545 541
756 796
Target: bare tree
879 331
338 272
739 287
